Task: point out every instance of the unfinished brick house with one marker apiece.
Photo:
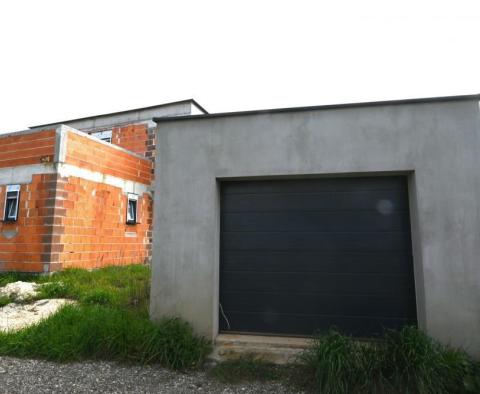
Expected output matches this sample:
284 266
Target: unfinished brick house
78 193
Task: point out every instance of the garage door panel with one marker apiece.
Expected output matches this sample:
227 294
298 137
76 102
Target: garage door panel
254 281
310 303
301 261
304 255
354 221
365 327
377 201
312 185
326 241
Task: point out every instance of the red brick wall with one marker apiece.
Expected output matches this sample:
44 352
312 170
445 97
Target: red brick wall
85 152
25 245
70 221
32 148
95 233
136 138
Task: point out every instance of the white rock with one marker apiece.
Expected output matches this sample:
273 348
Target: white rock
17 316
19 291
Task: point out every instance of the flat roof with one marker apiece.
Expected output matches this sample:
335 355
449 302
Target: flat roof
192 101
321 107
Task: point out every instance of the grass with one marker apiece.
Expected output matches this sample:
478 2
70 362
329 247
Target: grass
104 333
406 361
126 287
109 322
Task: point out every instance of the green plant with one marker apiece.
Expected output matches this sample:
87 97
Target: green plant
414 362
99 332
334 363
405 361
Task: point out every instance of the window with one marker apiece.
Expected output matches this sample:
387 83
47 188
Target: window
132 209
11 203
103 135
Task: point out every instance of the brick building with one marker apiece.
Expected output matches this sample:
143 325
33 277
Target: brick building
78 193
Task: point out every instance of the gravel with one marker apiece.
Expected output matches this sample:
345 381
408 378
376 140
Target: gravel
34 376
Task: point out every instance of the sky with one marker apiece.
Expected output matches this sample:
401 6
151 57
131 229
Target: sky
66 59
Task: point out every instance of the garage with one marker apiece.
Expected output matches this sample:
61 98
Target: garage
300 256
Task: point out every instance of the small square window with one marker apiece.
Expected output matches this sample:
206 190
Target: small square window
12 198
132 209
103 135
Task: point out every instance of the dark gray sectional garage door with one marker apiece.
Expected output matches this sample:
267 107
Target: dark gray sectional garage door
300 256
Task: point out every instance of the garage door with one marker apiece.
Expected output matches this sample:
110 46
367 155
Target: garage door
301 256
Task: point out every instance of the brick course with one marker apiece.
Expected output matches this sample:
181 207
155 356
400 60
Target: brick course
23 149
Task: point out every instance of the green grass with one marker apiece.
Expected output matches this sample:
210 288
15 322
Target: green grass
98 332
109 322
405 361
126 287
8 277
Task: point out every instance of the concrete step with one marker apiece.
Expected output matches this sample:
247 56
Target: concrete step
273 349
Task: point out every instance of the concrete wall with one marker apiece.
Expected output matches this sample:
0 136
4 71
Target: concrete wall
436 143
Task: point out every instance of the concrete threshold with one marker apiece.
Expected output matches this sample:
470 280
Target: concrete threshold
272 349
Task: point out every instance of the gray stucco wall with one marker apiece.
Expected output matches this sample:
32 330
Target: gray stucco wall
437 144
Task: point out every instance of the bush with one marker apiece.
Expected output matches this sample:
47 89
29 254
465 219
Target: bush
97 332
406 361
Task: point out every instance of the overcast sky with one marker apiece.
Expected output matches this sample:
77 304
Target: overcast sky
66 59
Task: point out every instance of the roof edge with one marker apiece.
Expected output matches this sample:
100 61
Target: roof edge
192 101
320 107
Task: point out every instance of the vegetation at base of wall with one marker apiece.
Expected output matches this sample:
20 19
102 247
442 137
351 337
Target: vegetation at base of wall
9 277
105 333
109 322
404 361
126 287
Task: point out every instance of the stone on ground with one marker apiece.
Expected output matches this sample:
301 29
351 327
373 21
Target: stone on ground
17 316
19 291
